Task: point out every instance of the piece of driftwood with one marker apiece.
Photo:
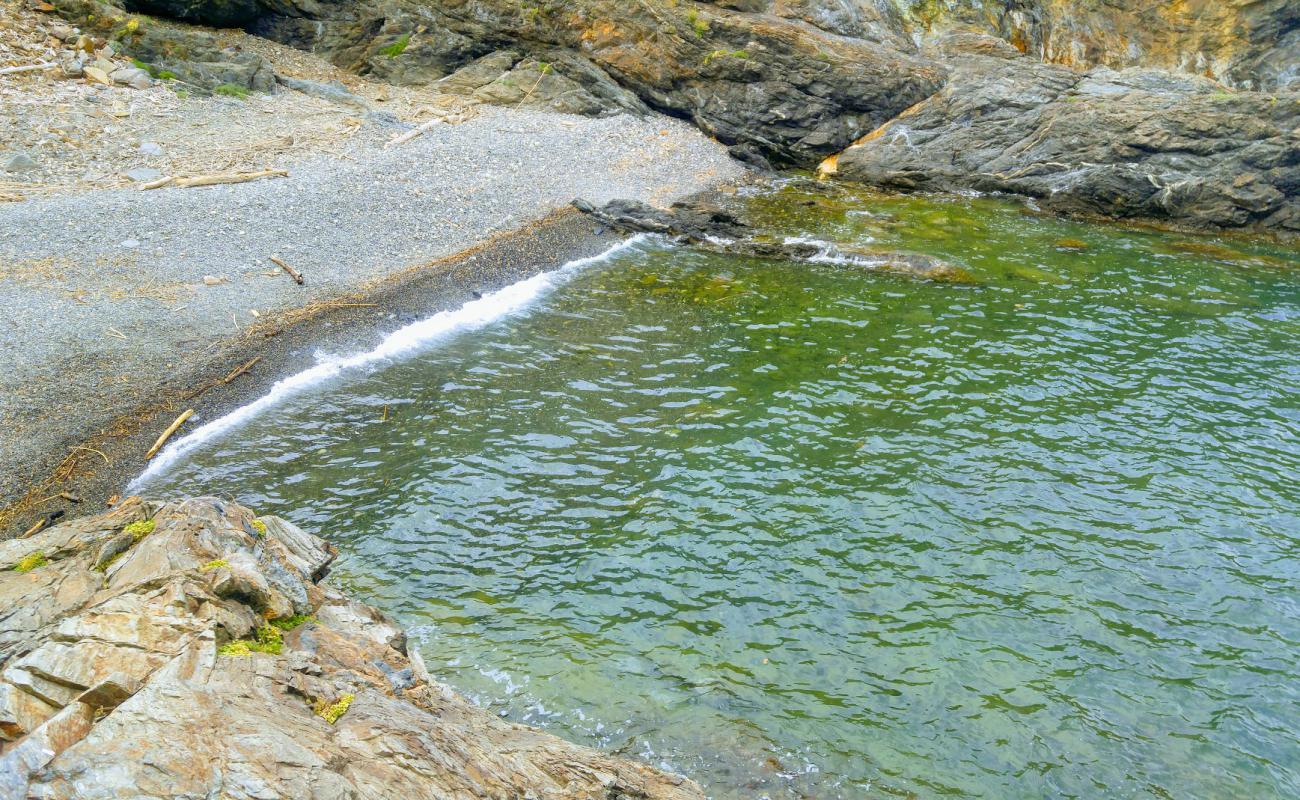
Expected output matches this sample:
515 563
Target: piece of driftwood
240 370
293 273
153 451
40 523
411 134
26 68
213 180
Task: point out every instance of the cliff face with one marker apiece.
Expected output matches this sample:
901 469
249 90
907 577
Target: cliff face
1119 108
1143 144
191 650
1249 44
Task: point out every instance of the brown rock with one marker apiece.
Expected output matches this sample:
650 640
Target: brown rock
121 680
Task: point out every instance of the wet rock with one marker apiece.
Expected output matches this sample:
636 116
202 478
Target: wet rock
692 220
154 673
710 226
1140 144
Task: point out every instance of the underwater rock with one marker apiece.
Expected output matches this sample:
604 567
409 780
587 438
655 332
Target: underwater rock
710 226
203 656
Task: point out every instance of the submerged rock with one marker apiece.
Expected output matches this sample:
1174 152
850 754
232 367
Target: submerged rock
200 654
710 226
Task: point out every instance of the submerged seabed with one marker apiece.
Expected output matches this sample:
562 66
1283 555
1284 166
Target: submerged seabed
814 530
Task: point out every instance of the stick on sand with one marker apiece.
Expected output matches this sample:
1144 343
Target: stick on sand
153 451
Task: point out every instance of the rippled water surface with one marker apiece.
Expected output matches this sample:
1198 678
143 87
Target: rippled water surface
817 531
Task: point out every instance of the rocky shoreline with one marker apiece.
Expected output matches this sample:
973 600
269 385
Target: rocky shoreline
195 649
192 648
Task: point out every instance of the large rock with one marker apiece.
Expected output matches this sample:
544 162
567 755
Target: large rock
136 660
194 56
1133 144
789 89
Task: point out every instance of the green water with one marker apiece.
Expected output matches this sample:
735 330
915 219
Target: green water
814 531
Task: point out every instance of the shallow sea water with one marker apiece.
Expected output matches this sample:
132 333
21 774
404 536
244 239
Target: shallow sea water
820 531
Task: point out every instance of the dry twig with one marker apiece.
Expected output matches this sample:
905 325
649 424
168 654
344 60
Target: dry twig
153 451
293 273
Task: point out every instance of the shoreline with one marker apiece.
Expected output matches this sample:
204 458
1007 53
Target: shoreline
106 462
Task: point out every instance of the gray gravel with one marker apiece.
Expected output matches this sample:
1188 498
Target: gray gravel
105 292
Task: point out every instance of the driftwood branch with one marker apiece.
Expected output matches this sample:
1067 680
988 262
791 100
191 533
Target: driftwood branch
213 180
293 273
411 134
240 370
27 68
153 451
40 523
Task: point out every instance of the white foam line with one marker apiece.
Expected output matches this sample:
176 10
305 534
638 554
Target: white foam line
404 341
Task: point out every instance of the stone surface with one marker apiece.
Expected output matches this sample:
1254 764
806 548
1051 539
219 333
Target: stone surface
17 162
193 56
1249 44
1142 144
142 174
116 682
791 90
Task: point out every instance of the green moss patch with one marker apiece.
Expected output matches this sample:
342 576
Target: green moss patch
216 563
231 90
396 48
32 561
331 713
289 623
141 529
267 641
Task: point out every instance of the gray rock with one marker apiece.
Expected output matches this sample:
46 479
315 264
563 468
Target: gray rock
134 77
150 703
143 174
792 91
334 92
1137 143
17 162
150 149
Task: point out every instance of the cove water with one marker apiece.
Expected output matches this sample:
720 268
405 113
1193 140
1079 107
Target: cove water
810 530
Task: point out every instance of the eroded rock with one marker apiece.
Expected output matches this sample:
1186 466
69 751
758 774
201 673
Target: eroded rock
1137 143
159 671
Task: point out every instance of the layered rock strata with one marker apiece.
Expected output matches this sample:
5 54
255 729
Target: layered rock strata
191 649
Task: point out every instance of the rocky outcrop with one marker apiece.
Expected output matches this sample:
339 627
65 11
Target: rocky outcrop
191 649
789 90
1249 44
707 225
1139 144
196 58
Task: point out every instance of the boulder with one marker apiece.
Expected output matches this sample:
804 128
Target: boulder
192 55
209 659
1141 144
